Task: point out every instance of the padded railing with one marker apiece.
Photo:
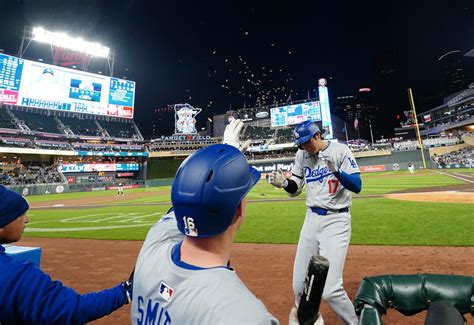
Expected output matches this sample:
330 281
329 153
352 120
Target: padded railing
411 294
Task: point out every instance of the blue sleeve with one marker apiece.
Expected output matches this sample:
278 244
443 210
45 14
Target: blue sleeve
352 182
35 298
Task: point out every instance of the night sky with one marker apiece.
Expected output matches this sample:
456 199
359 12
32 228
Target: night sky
217 55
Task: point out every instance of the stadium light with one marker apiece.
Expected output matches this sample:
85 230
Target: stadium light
76 44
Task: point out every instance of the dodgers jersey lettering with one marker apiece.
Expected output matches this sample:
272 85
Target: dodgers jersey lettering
169 291
323 188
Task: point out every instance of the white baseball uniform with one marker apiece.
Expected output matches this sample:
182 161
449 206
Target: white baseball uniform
327 235
167 290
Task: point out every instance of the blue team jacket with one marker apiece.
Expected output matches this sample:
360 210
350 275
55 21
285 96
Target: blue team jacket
30 296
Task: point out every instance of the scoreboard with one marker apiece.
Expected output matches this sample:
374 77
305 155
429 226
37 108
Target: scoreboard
294 114
39 85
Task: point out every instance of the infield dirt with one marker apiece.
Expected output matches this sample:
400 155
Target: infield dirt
91 265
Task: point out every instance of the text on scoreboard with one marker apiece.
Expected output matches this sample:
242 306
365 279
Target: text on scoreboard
39 85
294 114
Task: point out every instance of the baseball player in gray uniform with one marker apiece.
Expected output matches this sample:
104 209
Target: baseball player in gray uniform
330 173
183 274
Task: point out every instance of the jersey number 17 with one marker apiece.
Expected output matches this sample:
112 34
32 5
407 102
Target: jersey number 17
333 185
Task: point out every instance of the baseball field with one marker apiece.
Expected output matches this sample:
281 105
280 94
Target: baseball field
401 223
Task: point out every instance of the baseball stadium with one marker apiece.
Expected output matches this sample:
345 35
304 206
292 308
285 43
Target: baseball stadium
69 150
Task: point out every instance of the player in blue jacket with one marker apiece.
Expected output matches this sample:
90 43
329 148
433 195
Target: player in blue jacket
30 296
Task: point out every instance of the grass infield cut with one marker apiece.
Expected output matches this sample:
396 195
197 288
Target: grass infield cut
375 221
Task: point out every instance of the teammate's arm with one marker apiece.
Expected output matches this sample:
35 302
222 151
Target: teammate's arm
41 300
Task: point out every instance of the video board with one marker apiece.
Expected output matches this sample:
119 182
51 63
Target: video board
294 114
39 85
90 168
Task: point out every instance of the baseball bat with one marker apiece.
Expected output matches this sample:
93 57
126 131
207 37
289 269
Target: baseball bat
313 287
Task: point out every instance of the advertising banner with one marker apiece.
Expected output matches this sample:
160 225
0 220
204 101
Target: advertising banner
88 168
371 169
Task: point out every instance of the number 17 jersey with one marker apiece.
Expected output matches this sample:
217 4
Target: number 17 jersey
323 189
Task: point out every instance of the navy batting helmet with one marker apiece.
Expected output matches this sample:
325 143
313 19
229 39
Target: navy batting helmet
305 131
208 187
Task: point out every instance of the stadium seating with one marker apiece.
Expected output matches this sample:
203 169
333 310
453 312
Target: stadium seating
284 136
37 122
80 126
32 173
117 129
465 156
5 120
258 133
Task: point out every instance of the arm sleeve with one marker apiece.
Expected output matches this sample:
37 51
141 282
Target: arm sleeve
40 300
352 182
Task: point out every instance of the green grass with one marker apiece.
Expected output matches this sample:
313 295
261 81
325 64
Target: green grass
130 223
387 182
80 195
372 183
375 221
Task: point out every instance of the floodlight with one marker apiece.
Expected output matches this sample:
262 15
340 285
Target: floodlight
76 44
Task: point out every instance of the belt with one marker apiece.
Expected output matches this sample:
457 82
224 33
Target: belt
323 212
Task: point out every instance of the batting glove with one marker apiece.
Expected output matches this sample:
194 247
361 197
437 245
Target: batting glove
277 179
329 162
232 134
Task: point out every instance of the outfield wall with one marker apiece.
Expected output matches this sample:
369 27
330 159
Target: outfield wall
395 161
37 189
163 168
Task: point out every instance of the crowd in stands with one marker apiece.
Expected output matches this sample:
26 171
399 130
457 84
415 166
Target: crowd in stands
290 153
31 173
464 156
256 133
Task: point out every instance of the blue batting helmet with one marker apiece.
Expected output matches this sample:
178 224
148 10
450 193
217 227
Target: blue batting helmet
208 187
305 131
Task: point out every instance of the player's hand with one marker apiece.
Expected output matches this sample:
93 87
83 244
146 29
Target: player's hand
232 133
128 287
277 179
329 162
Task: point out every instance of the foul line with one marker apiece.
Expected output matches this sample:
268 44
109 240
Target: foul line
451 175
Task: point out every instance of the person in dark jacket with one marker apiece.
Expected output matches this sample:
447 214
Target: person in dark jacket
30 296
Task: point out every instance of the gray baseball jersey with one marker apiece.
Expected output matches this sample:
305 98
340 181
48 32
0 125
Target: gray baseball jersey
323 188
169 291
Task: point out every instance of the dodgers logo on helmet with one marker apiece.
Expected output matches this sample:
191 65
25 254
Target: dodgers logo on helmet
305 131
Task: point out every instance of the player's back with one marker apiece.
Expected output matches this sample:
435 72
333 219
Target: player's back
169 291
